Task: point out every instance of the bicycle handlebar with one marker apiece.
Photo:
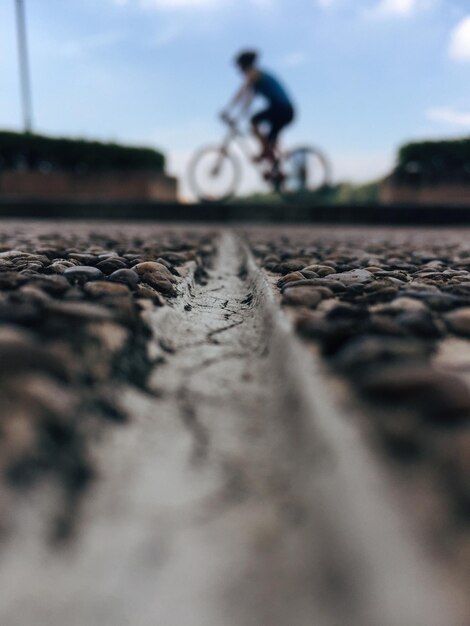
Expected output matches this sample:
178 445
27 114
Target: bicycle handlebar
230 121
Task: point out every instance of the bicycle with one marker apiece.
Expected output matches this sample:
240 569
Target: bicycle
214 172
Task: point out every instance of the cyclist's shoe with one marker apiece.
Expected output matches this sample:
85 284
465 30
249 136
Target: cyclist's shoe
275 177
278 180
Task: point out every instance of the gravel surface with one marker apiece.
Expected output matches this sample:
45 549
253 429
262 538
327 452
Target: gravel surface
172 340
71 334
389 310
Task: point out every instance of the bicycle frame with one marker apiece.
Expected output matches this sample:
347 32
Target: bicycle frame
235 135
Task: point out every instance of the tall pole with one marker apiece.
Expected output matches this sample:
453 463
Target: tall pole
24 67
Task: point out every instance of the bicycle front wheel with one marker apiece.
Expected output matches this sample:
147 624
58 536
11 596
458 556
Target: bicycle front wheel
214 174
304 170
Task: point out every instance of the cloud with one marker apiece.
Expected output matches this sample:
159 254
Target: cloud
180 4
448 115
294 59
100 41
398 8
166 36
459 48
170 5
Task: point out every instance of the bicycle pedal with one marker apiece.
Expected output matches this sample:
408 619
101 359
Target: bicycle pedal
279 177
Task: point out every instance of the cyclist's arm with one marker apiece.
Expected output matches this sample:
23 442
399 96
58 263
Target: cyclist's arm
244 96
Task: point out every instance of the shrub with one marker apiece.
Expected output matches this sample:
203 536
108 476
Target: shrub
37 152
434 162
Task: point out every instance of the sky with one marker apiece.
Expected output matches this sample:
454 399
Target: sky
366 75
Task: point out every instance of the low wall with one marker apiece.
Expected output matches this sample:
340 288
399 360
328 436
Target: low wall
439 194
87 187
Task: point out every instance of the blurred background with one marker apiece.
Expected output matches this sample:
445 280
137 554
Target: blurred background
367 75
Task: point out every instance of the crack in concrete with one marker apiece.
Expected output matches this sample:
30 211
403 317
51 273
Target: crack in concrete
224 329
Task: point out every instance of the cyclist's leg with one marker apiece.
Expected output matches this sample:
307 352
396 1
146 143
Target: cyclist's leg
280 118
256 121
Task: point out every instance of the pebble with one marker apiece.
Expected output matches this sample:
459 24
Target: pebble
174 258
353 277
107 255
421 323
33 293
379 285
310 324
147 293
321 270
408 305
18 255
79 310
386 325
292 265
328 304
100 289
83 273
125 276
59 266
159 282
368 351
440 397
153 268
349 312
83 259
459 321
289 278
11 280
108 266
302 296
437 301
386 294
25 313
400 305
54 285
42 392
19 352
333 286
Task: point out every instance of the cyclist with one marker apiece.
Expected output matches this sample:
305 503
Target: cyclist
279 112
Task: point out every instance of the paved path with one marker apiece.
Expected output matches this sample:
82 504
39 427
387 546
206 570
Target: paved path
238 496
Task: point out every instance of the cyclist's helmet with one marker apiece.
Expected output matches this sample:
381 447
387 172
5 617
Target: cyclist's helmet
246 59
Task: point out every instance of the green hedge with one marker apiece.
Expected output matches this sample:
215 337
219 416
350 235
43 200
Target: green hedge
434 162
19 151
340 193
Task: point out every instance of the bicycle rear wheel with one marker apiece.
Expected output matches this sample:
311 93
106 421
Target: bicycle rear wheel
214 174
304 170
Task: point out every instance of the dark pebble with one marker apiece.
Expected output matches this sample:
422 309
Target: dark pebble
108 266
125 276
83 273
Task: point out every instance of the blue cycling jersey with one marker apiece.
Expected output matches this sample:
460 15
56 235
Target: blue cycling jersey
270 88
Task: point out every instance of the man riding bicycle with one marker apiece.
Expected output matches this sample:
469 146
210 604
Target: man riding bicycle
279 112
